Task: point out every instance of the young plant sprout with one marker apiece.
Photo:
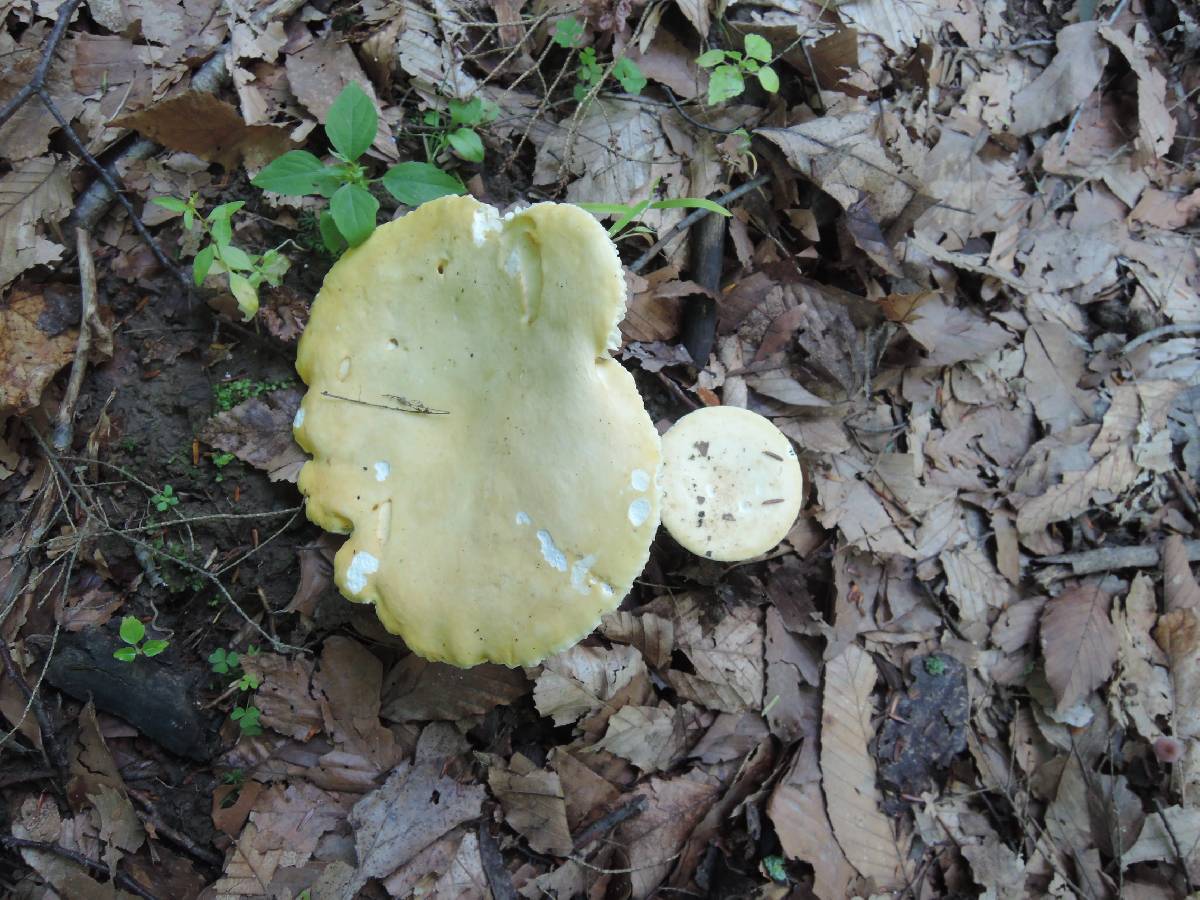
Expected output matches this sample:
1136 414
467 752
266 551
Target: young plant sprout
493 465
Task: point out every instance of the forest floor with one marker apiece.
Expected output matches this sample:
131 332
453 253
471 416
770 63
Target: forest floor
964 280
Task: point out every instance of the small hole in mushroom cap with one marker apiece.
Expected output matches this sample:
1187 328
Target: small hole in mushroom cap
343 368
441 266
393 344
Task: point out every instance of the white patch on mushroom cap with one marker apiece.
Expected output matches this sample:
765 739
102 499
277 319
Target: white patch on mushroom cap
639 511
579 574
640 479
299 420
554 556
361 565
382 471
486 220
523 518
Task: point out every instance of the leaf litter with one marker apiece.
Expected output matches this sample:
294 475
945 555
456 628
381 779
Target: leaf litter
969 294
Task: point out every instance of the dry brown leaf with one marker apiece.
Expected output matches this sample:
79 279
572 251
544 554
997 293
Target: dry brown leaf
976 587
200 123
797 809
419 690
848 771
40 821
728 661
1109 477
1156 126
534 804
1178 634
416 806
900 26
582 680
650 737
951 334
654 838
1071 76
1166 209
348 684
653 635
849 503
258 431
793 677
450 867
588 795
284 695
27 133
1157 841
1180 589
1054 364
778 385
1079 644
1142 688
997 869
36 192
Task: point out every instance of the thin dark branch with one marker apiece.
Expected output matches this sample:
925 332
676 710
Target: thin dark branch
679 109
39 74
125 882
609 821
498 878
695 216
1179 854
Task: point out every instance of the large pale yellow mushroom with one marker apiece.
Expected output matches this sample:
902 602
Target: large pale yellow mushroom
492 464
731 483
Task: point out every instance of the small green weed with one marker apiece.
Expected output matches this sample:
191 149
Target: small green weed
223 661
459 133
729 68
132 632
245 272
351 126
568 33
229 394
178 577
165 499
627 215
247 718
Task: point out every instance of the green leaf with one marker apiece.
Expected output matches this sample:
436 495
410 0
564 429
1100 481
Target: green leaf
174 204
605 209
330 236
629 75
126 654
757 47
294 174
469 112
237 258
415 183
153 648
189 218
691 203
568 32
632 213
245 294
274 265
219 222
768 79
467 144
711 58
132 630
352 122
724 84
225 211
354 211
202 263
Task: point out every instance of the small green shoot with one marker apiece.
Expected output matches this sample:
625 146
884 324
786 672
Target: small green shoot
460 134
247 718
165 499
568 33
248 682
223 661
244 272
627 215
351 126
729 68
132 632
229 394
935 666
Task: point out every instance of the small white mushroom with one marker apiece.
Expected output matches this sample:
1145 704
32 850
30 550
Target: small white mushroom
731 483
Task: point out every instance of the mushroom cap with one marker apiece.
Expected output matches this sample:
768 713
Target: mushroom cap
731 483
493 465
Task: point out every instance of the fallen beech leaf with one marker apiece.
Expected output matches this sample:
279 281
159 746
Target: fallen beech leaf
653 635
728 660
533 804
450 867
1156 126
951 334
581 680
848 771
1156 842
29 355
1178 633
1078 642
1064 84
258 431
797 808
650 737
1054 364
284 696
1180 589
976 587
414 807
419 690
200 123
655 837
347 684
588 796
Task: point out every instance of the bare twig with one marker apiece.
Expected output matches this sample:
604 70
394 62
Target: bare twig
1179 855
693 217
176 837
498 878
125 882
1108 558
607 822
38 81
64 428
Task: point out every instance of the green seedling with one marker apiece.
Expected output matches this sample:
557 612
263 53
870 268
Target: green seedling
223 661
459 134
244 272
568 33
627 215
729 68
247 718
351 127
229 394
165 499
248 682
132 632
